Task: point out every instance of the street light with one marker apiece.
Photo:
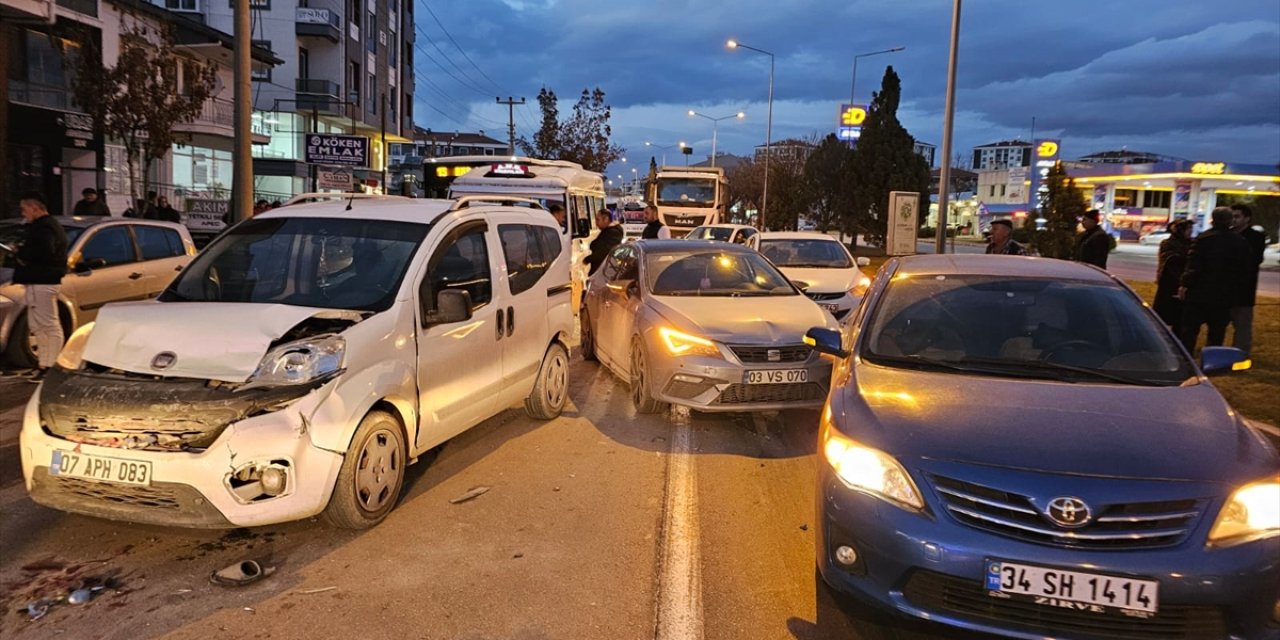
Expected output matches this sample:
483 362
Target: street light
664 148
768 132
853 84
948 118
715 123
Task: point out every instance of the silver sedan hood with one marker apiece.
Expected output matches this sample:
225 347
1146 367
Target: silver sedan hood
747 320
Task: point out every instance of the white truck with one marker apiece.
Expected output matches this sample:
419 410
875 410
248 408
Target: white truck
689 197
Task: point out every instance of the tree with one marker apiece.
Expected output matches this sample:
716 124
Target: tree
827 176
789 195
884 160
139 100
745 187
1064 206
583 138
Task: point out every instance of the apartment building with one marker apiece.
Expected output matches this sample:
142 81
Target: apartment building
1002 155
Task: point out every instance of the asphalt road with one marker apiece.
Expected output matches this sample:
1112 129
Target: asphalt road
600 524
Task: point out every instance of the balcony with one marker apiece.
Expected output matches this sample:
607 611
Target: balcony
86 7
319 95
318 23
216 118
40 95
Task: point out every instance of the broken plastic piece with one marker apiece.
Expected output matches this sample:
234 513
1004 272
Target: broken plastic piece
80 596
37 609
308 592
474 493
240 574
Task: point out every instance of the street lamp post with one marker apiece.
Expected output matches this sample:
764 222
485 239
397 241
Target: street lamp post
853 84
948 118
663 148
715 124
768 132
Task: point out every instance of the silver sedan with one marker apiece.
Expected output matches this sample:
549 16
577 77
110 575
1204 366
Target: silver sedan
708 325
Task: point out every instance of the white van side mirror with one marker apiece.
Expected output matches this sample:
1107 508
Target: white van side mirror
452 305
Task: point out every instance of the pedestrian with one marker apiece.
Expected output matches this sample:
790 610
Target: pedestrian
90 204
149 208
138 209
1002 242
1094 243
1247 293
1169 267
41 263
260 206
654 229
1217 262
610 236
166 212
557 212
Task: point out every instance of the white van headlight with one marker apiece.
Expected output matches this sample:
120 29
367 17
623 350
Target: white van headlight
71 357
300 362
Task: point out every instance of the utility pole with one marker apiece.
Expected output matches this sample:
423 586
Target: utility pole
511 122
242 154
386 190
948 119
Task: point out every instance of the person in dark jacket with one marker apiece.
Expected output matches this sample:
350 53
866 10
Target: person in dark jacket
166 212
610 236
1241 311
41 263
90 204
1217 263
1169 267
1002 242
654 229
1094 243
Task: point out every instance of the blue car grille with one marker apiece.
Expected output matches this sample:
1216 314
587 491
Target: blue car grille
939 593
750 354
1134 525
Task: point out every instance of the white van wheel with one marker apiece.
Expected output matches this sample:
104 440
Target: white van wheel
372 474
552 386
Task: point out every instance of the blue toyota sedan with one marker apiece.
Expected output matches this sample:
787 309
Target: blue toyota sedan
1018 446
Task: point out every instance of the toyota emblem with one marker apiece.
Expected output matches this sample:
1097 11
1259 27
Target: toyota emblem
164 360
1068 513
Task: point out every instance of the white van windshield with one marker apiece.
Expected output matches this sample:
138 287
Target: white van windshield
308 262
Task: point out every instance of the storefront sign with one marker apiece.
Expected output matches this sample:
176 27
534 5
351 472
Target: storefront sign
1209 168
1099 200
339 150
333 179
1046 155
904 212
852 117
307 15
1181 198
1017 188
206 215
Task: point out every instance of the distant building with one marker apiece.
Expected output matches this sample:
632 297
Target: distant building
926 151
1125 156
962 181
790 150
1001 155
725 161
407 158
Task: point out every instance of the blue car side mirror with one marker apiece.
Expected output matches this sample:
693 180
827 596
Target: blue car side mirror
826 341
1220 359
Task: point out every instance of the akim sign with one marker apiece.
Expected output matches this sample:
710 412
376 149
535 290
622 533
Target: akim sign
852 117
334 149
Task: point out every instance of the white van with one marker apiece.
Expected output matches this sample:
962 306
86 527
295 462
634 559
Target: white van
301 361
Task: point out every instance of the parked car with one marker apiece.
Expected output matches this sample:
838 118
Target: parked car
302 360
109 260
1020 446
1155 237
820 265
709 325
735 233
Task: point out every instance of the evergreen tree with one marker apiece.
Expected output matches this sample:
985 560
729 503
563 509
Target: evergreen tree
827 174
883 161
1064 206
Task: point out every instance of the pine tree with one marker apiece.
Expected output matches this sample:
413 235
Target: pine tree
1064 206
827 173
884 160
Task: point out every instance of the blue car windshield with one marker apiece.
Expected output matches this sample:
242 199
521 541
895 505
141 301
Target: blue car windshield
1023 327
311 262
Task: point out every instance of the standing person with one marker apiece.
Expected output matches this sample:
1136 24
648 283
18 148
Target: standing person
1002 242
149 208
1216 264
1094 243
610 236
166 212
654 229
90 204
42 261
1241 311
1169 267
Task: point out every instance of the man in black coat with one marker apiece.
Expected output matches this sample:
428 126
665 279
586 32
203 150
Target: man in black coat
1219 260
42 261
90 204
1242 308
609 237
1094 243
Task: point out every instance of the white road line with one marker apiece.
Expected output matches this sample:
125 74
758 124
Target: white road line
1262 426
680 576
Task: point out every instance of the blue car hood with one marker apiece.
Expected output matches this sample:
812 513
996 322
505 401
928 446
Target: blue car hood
1181 433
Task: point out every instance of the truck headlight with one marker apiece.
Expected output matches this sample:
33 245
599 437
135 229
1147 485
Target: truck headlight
683 344
300 362
1253 509
866 469
71 357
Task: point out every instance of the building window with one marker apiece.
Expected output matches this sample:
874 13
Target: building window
182 5
1156 199
264 72
255 4
372 95
304 63
370 34
353 83
354 12
1126 198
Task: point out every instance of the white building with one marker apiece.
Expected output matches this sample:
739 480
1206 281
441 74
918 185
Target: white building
1001 155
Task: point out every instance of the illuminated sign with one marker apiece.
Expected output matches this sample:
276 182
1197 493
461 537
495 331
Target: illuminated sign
1046 157
1209 168
455 171
509 169
1047 149
442 172
849 125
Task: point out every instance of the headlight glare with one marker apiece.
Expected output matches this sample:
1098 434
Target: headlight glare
870 470
300 362
683 344
860 289
1253 509
72 355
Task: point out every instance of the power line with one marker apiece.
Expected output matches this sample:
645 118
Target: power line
446 70
458 47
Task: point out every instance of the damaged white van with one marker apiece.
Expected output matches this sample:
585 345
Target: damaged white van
301 361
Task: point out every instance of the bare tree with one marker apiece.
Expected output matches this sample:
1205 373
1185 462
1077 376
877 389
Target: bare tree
137 102
583 138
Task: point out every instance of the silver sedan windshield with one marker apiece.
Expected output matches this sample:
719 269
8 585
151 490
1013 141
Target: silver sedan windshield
707 272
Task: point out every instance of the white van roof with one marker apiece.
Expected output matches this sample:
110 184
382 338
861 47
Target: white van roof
423 211
545 178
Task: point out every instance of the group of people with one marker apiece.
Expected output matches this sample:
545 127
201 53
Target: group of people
153 207
611 234
1092 245
1211 279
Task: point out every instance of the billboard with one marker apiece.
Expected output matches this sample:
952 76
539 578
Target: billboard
1043 157
339 150
851 119
1182 198
900 228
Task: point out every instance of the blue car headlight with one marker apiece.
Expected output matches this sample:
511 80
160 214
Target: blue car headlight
1253 510
866 469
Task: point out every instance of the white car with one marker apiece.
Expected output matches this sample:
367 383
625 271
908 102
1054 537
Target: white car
1155 237
820 265
301 361
735 233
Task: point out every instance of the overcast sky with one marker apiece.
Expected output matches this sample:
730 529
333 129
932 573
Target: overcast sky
1198 80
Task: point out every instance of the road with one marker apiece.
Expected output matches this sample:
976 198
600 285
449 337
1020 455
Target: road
600 524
